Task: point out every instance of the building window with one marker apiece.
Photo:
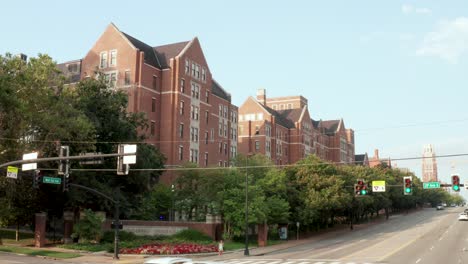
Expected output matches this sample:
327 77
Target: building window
181 108
274 107
289 106
153 128
203 74
153 104
194 134
113 58
155 82
194 155
257 145
212 135
113 79
225 149
197 71
207 96
127 77
225 112
207 116
103 63
257 130
195 91
181 152
206 138
182 85
181 130
193 69
220 128
220 147
206 159
225 129
187 67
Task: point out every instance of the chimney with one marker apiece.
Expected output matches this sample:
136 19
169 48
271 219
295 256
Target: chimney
376 153
261 96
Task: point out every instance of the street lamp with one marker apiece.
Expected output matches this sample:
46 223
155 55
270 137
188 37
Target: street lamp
246 251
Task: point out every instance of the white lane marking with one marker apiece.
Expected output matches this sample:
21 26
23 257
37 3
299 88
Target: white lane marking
307 262
440 239
417 261
321 262
431 248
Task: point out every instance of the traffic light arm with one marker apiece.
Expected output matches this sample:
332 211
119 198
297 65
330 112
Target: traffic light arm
65 158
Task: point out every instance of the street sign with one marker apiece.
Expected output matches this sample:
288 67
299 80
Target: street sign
378 186
128 149
12 172
431 185
29 166
51 180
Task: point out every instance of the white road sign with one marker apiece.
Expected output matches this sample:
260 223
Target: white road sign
29 166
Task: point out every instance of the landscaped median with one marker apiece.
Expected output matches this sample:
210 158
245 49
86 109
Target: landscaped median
38 252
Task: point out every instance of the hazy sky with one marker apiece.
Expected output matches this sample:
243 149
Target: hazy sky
395 71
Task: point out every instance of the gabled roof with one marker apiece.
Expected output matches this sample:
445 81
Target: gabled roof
360 158
150 54
166 52
71 77
292 114
331 126
217 90
316 123
280 119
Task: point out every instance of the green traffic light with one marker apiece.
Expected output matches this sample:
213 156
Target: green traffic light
408 190
456 187
363 192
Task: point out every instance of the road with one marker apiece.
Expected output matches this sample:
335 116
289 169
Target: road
427 236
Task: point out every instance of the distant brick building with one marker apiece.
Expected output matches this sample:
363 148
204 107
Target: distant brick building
429 165
281 128
190 116
376 160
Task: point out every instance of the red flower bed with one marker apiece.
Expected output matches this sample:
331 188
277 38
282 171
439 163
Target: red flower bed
170 249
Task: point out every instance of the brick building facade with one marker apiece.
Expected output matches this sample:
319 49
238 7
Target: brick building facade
190 115
282 129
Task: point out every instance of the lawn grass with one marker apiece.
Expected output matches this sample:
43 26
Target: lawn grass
38 252
9 237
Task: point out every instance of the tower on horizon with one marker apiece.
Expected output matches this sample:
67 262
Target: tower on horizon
429 164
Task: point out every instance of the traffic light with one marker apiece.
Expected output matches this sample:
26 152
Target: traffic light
37 179
360 188
407 185
456 183
64 165
66 183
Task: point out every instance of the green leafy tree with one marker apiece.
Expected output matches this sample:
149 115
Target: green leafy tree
89 228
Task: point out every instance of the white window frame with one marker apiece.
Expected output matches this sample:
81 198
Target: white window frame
103 56
113 57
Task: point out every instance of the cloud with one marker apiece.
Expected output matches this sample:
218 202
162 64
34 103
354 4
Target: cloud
449 40
409 9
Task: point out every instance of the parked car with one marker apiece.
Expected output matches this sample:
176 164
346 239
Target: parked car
168 260
440 207
463 217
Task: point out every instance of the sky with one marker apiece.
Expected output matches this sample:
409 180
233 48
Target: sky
395 71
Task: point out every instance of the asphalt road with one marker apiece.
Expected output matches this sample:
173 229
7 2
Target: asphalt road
427 236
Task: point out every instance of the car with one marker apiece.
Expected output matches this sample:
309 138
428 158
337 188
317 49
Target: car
168 260
463 217
466 210
440 207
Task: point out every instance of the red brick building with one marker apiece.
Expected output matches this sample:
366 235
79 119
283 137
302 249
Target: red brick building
190 115
282 129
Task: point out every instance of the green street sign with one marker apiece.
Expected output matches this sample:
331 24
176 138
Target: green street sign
51 180
431 185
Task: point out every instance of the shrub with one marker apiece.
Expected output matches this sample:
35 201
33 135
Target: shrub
88 228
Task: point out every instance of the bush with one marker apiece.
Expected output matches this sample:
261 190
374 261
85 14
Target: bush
88 228
190 235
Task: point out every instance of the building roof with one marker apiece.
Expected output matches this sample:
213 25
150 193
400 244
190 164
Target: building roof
150 54
316 123
280 119
166 52
331 126
292 114
217 90
360 159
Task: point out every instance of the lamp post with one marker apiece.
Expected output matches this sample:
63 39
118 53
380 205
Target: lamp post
246 251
